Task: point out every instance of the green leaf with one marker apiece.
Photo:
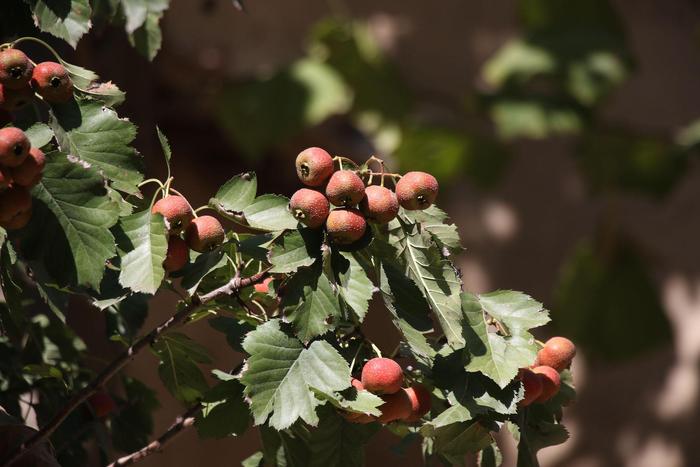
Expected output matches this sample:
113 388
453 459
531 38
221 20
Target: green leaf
282 376
254 460
337 442
363 402
295 249
136 11
69 230
496 356
270 213
148 38
12 294
354 286
233 328
456 440
434 220
165 145
225 413
96 135
436 278
179 356
65 19
236 194
39 135
203 265
132 425
143 244
310 303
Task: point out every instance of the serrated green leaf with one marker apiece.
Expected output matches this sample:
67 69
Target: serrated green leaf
69 230
148 38
337 442
295 249
81 77
179 356
456 440
136 11
69 21
236 194
96 135
310 303
282 376
233 328
500 356
434 220
223 415
354 286
270 213
165 145
203 265
143 244
436 278
362 402
132 425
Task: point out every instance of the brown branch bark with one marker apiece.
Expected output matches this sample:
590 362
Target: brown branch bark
181 423
230 288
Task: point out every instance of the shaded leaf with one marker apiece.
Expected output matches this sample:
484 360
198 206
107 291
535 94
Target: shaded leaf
179 356
66 19
236 194
143 244
269 213
295 249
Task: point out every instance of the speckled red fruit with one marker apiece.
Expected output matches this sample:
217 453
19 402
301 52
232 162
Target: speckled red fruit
550 382
345 188
420 402
379 204
102 404
51 81
314 166
28 173
5 178
264 286
204 234
357 384
176 211
532 383
15 68
416 190
14 146
18 221
309 207
397 406
382 376
345 226
177 255
12 100
558 352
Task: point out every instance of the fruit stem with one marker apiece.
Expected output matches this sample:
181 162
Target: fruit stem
340 160
38 41
151 180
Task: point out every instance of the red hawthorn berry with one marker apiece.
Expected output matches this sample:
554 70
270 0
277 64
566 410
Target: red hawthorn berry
397 406
177 256
345 188
550 382
51 81
558 352
314 166
345 226
416 190
382 376
28 173
102 404
264 286
379 204
204 234
13 202
176 211
15 68
12 100
309 207
532 383
420 402
14 146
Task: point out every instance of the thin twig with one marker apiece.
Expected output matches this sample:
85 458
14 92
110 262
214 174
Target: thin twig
230 288
181 423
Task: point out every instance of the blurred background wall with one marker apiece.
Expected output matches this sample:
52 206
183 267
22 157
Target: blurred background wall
562 134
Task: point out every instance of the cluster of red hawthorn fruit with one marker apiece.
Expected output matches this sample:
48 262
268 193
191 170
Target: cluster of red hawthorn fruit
542 381
355 199
201 234
384 377
21 80
21 165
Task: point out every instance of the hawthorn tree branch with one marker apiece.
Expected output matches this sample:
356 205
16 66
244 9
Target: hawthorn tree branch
182 422
230 288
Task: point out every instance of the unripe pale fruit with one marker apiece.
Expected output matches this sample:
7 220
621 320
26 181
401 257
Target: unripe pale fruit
51 81
420 402
345 188
15 69
204 234
309 207
345 226
532 383
314 166
558 352
5 178
28 173
264 286
14 202
102 404
382 376
12 100
379 204
416 190
550 382
177 255
396 406
14 146
18 221
176 211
